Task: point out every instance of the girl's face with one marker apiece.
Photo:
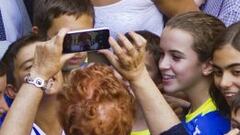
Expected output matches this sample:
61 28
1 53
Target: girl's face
178 64
226 65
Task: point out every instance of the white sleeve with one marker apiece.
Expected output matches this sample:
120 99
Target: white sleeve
3 47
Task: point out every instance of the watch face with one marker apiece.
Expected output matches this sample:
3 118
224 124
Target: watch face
39 82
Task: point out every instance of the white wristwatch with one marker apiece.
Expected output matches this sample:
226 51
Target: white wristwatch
37 81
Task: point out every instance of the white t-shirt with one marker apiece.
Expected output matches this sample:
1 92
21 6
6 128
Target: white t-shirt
36 130
129 15
16 22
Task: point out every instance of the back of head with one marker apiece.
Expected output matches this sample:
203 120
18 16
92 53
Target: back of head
95 102
47 10
204 28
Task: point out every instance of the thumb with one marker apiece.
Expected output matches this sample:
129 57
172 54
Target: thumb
60 38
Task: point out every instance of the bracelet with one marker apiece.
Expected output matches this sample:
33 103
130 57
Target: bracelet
37 81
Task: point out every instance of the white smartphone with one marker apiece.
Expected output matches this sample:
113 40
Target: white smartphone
86 40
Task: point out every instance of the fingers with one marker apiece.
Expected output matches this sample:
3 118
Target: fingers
122 57
128 45
56 44
116 47
111 57
128 57
59 38
139 41
48 55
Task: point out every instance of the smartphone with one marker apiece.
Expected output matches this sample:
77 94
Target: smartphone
86 40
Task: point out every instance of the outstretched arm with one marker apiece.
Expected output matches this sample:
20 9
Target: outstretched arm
128 59
47 63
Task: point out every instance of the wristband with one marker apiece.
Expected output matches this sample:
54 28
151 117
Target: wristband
37 81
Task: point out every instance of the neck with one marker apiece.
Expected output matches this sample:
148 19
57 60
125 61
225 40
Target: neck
198 94
47 115
139 123
98 3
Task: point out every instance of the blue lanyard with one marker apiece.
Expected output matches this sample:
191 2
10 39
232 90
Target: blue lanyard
36 132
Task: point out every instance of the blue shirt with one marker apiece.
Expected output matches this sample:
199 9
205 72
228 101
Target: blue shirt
206 120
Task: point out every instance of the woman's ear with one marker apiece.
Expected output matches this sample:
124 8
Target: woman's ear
11 91
35 29
207 68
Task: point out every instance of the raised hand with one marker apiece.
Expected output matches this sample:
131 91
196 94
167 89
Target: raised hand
48 58
128 57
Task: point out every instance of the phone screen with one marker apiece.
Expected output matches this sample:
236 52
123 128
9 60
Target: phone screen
86 40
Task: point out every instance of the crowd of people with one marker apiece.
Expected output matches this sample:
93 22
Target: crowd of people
173 68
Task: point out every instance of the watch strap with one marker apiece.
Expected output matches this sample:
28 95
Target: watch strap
37 81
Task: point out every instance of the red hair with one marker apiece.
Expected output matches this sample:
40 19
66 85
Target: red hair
95 102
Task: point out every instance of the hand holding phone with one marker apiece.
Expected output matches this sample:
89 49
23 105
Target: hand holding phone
86 40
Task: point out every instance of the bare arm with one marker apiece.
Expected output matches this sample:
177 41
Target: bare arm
46 64
173 7
159 115
22 111
129 61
